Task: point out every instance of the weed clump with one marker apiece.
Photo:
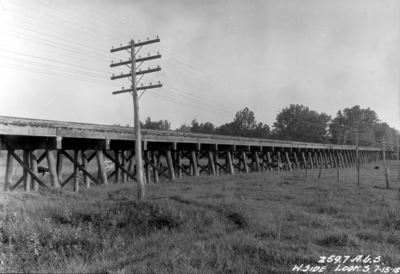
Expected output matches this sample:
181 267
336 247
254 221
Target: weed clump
336 240
238 219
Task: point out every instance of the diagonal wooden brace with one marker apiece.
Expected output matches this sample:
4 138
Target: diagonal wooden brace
181 168
91 157
17 183
221 166
157 168
120 166
79 166
67 180
24 166
40 159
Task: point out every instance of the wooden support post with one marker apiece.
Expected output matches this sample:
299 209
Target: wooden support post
178 159
131 166
216 163
345 159
384 152
310 159
279 161
193 162
351 155
228 163
27 180
197 153
170 165
329 159
343 155
341 159
262 163
387 174
116 168
123 163
288 161
147 168
101 167
211 164
9 170
269 158
355 156
155 172
363 156
86 181
60 161
52 168
76 171
244 160
34 167
315 159
257 160
335 158
326 159
321 160
349 158
319 163
296 161
303 157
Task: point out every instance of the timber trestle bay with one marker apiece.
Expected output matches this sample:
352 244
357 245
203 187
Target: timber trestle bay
165 153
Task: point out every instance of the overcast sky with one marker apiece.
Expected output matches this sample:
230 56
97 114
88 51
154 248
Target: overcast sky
218 57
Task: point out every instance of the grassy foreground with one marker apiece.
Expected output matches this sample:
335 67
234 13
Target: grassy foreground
245 223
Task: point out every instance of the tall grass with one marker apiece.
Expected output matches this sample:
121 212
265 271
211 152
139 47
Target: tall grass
245 223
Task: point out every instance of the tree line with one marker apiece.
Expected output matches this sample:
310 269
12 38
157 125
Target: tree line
298 123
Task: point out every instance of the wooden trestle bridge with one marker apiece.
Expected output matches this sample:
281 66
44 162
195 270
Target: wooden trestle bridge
165 153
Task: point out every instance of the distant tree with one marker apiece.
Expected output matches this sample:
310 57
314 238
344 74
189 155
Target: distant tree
160 125
244 124
299 123
207 128
261 131
227 129
347 124
184 128
384 130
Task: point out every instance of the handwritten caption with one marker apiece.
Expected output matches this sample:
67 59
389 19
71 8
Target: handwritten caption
346 264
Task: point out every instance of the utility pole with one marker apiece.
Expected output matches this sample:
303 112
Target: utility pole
133 91
387 171
358 159
384 158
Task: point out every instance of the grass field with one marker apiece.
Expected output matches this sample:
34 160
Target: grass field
243 223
